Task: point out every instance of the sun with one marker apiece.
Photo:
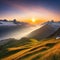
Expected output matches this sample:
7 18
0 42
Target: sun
33 20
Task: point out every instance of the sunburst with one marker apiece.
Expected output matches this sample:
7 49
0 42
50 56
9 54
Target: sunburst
33 20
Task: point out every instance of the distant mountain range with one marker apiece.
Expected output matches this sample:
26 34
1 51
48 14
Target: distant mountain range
11 23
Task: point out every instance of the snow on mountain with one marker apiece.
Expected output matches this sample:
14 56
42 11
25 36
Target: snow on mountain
7 23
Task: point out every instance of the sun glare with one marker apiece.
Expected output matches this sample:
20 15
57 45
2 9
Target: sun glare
33 20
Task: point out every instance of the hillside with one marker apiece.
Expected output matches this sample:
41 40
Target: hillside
31 49
45 31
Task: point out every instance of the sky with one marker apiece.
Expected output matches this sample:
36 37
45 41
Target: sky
25 10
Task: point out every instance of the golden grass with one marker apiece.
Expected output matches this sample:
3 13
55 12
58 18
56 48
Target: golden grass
38 50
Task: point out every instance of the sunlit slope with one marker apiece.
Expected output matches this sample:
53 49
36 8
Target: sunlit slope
31 49
44 32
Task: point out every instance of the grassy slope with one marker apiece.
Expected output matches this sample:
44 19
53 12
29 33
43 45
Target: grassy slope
31 49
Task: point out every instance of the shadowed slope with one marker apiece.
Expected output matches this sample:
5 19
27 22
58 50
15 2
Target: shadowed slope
43 32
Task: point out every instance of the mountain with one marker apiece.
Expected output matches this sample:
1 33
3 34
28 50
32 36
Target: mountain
48 29
11 23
